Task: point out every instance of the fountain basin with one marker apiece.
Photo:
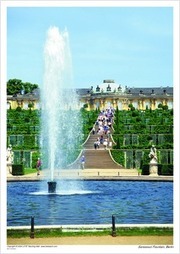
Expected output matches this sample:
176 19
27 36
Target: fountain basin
90 202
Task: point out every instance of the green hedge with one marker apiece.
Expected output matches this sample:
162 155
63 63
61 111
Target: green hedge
17 170
163 169
118 156
167 169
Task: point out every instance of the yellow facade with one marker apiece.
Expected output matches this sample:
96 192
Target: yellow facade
123 102
107 94
111 94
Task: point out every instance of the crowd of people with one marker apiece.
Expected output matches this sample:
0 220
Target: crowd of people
103 128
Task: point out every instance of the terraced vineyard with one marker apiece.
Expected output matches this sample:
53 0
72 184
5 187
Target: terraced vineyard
133 133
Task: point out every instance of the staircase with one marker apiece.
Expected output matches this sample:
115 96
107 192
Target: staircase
100 158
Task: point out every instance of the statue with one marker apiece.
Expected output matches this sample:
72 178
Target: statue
10 155
153 165
153 155
9 159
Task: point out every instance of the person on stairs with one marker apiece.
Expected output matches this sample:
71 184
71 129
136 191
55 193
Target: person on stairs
82 161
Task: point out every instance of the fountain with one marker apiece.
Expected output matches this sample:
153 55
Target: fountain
52 187
60 122
95 201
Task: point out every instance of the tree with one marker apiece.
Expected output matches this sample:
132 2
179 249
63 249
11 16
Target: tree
165 107
30 105
14 86
131 107
160 105
85 105
28 87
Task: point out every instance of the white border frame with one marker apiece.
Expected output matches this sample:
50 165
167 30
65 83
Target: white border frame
91 249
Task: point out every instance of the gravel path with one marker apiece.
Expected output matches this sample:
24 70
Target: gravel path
94 240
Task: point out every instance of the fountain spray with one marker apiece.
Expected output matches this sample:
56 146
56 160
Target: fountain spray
59 114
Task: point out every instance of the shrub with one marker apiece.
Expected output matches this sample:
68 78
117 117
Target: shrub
118 156
118 144
135 113
145 169
163 169
85 105
167 169
19 109
165 107
17 170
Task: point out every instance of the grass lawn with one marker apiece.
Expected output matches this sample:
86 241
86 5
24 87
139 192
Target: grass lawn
119 232
30 171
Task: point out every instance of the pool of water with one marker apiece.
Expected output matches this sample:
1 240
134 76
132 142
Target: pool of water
90 202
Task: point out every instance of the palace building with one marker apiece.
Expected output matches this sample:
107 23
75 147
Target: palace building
107 94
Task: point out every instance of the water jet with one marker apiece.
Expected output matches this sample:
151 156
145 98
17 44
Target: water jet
60 116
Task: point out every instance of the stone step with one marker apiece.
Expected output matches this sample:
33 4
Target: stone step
96 158
95 173
99 159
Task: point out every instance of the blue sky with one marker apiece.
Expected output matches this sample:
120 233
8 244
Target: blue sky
132 45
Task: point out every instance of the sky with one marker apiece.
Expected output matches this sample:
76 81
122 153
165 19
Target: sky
131 45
